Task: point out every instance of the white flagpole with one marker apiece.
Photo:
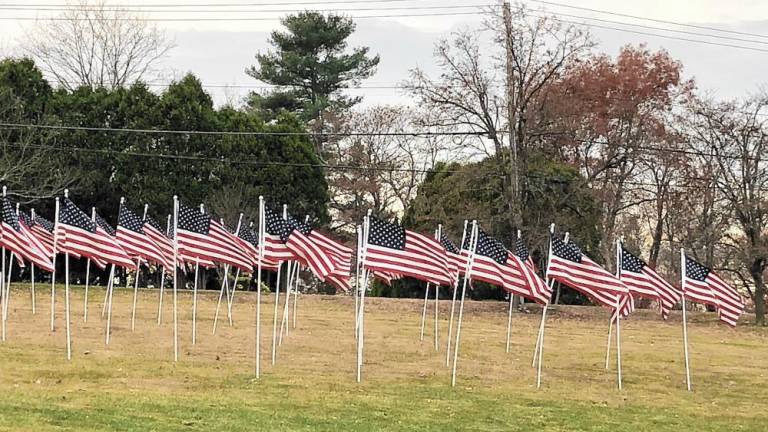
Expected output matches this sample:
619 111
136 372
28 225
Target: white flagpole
53 274
685 324
608 347
540 351
87 283
110 292
361 311
618 315
509 316
258 286
231 298
224 282
66 297
4 293
359 230
551 284
296 287
194 302
34 311
175 278
277 297
135 294
293 275
162 278
437 296
467 277
33 290
424 312
453 303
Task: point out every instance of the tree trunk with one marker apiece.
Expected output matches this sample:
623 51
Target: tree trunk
757 276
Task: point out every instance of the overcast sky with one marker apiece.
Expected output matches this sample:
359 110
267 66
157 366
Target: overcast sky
218 52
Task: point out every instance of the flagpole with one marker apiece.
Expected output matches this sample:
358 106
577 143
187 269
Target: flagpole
296 287
53 274
162 277
424 312
4 293
277 298
509 314
357 275
685 324
292 280
231 298
110 287
135 294
258 286
544 312
175 278
551 284
453 302
618 314
437 295
608 347
85 298
467 277
33 290
194 302
66 296
224 283
361 311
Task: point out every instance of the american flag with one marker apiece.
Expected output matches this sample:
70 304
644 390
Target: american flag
42 229
249 240
200 237
15 237
702 285
568 265
385 277
131 236
295 236
494 264
541 291
643 281
457 263
78 235
340 255
26 226
393 249
156 235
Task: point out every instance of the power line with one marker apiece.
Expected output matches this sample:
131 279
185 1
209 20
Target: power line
235 133
555 18
241 19
677 23
209 11
207 5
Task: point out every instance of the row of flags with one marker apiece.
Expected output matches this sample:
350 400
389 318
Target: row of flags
388 251
192 237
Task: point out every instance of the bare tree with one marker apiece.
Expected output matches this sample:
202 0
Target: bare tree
734 135
29 162
96 45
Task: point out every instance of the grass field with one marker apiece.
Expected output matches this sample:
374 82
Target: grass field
133 384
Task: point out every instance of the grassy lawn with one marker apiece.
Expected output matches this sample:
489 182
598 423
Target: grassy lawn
133 384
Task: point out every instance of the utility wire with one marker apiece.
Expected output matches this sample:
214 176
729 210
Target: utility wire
638 17
243 19
208 5
236 133
213 11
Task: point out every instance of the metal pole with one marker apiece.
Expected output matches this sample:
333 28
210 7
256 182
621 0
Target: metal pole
357 275
258 286
85 298
4 293
231 298
175 278
361 311
53 274
453 303
160 302
194 303
66 305
685 324
135 294
437 325
34 311
608 348
467 277
110 293
274 317
509 321
221 295
424 312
